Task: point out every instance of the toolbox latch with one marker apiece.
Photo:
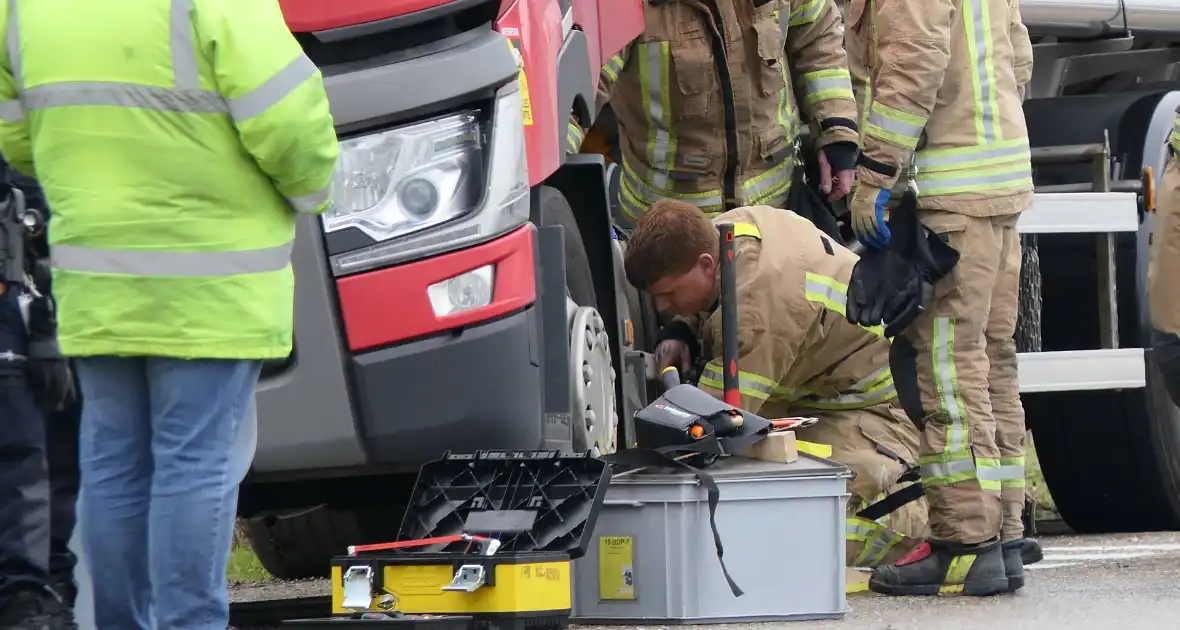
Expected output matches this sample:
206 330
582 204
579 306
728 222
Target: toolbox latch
469 578
358 588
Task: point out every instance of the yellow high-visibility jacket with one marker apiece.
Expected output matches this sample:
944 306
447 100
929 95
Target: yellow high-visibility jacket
176 141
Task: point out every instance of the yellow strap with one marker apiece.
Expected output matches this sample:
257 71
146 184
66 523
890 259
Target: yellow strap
814 448
747 229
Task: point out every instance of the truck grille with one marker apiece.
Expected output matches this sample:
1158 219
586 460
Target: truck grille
373 41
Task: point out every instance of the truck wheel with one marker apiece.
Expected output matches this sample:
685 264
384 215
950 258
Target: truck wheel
300 545
1111 458
595 418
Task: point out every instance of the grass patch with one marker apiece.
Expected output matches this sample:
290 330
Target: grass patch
245 567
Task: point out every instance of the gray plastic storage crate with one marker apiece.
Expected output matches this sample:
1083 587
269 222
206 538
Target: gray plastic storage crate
653 560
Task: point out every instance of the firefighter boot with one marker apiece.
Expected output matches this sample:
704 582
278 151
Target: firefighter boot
1030 550
1013 568
939 566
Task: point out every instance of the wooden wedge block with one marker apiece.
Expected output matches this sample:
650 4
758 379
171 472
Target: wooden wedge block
776 447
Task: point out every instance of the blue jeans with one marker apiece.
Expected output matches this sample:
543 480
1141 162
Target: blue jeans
160 487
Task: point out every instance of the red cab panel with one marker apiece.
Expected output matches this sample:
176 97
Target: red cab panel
384 307
306 16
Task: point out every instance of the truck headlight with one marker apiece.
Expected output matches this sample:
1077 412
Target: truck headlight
436 189
409 179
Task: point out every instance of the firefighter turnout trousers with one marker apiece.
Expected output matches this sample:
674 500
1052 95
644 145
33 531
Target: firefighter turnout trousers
1163 286
877 443
956 374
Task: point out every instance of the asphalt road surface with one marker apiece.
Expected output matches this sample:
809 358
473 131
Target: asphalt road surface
1127 582
1123 582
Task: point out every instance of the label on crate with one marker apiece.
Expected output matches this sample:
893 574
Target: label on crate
616 570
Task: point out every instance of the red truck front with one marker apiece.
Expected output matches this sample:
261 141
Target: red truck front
419 324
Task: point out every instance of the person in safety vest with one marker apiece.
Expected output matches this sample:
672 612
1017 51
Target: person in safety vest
177 152
940 84
798 356
706 102
1163 290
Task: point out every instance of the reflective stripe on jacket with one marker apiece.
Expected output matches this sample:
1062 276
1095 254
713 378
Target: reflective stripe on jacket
176 148
796 349
944 77
706 99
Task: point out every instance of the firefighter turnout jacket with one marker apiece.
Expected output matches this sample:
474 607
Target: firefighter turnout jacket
176 150
796 349
945 78
706 99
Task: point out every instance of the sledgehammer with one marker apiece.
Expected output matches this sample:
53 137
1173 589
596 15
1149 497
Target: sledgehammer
729 332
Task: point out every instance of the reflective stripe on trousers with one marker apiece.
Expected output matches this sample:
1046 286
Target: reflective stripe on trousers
957 462
185 97
877 538
1174 139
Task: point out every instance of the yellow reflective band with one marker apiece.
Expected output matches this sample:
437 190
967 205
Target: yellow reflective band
637 195
944 470
823 85
767 188
11 111
865 103
833 295
988 471
814 448
806 13
613 67
878 540
654 69
956 573
977 180
574 134
973 157
747 229
749 383
977 24
787 118
1011 472
947 384
1175 137
894 126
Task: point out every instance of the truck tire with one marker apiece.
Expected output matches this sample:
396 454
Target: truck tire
1111 458
579 281
300 545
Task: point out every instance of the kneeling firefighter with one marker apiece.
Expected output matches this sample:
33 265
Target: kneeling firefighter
1163 289
797 355
941 84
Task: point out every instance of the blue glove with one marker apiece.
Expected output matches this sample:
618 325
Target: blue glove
868 215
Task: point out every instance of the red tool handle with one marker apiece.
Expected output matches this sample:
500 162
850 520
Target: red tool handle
407 544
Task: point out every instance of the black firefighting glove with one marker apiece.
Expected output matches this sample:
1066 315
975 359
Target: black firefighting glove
48 371
891 285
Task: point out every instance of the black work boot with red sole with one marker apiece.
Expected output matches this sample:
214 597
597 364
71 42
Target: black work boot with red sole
944 567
